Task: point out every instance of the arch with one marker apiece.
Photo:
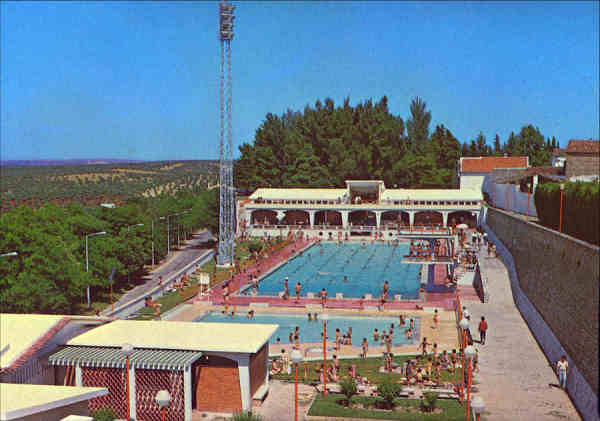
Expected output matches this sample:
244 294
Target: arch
428 218
390 219
457 217
328 217
362 217
260 216
296 217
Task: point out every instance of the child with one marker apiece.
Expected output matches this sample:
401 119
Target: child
365 348
435 319
376 335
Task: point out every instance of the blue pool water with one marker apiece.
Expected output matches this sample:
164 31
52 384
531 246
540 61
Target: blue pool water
362 326
367 268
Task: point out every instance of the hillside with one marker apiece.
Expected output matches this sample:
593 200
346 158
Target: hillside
92 184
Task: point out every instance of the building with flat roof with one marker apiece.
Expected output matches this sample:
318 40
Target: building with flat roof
364 206
27 339
216 367
28 402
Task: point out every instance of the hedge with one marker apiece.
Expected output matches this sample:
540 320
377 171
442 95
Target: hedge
581 202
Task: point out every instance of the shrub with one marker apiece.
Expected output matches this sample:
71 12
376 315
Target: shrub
429 401
255 246
349 389
246 416
580 208
388 390
104 414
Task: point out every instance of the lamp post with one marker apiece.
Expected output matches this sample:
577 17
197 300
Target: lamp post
562 188
163 398
296 359
162 217
469 353
324 317
528 194
478 406
128 229
127 350
87 262
464 325
12 253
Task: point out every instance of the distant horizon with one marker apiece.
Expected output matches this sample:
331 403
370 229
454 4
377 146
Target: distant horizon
90 161
140 80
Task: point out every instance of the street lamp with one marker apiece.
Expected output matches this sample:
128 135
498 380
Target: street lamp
296 359
478 406
128 229
127 350
464 325
163 398
12 253
469 353
562 189
162 217
324 317
87 263
528 194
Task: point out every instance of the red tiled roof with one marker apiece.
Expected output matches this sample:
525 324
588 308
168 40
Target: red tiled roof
583 146
558 152
489 163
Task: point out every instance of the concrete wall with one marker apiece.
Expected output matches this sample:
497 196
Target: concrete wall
555 280
472 180
57 414
515 199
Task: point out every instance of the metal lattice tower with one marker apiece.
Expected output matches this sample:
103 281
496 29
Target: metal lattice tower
227 192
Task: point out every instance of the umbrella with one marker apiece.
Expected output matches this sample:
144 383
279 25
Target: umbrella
462 226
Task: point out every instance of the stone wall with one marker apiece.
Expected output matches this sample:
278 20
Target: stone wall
560 277
582 164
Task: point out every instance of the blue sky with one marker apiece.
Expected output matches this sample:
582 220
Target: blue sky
139 80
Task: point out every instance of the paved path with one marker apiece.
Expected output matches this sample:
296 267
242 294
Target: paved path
279 405
176 261
515 375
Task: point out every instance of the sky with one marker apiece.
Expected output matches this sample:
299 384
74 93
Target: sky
140 80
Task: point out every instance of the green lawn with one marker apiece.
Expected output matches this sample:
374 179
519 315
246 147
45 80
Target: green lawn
329 406
367 367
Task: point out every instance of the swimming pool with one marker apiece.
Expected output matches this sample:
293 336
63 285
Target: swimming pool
324 266
362 326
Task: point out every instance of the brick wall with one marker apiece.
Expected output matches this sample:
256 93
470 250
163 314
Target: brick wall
582 164
560 276
218 386
258 369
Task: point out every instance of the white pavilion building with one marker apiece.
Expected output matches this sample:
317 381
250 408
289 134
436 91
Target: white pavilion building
362 208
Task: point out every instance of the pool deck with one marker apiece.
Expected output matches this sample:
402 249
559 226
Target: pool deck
444 335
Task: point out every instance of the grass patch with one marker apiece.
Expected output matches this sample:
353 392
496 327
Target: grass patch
406 409
366 367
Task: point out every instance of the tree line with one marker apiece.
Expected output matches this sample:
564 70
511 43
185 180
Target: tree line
49 273
325 145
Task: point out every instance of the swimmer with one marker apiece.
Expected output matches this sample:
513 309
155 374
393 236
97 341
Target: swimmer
310 317
345 278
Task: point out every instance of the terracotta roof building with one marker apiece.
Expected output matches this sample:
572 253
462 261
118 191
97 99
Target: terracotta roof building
583 159
473 171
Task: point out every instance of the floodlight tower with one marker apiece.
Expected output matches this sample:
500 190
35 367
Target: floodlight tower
227 195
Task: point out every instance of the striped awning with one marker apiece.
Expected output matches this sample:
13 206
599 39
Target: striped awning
98 356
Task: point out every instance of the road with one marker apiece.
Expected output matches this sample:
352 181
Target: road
176 261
